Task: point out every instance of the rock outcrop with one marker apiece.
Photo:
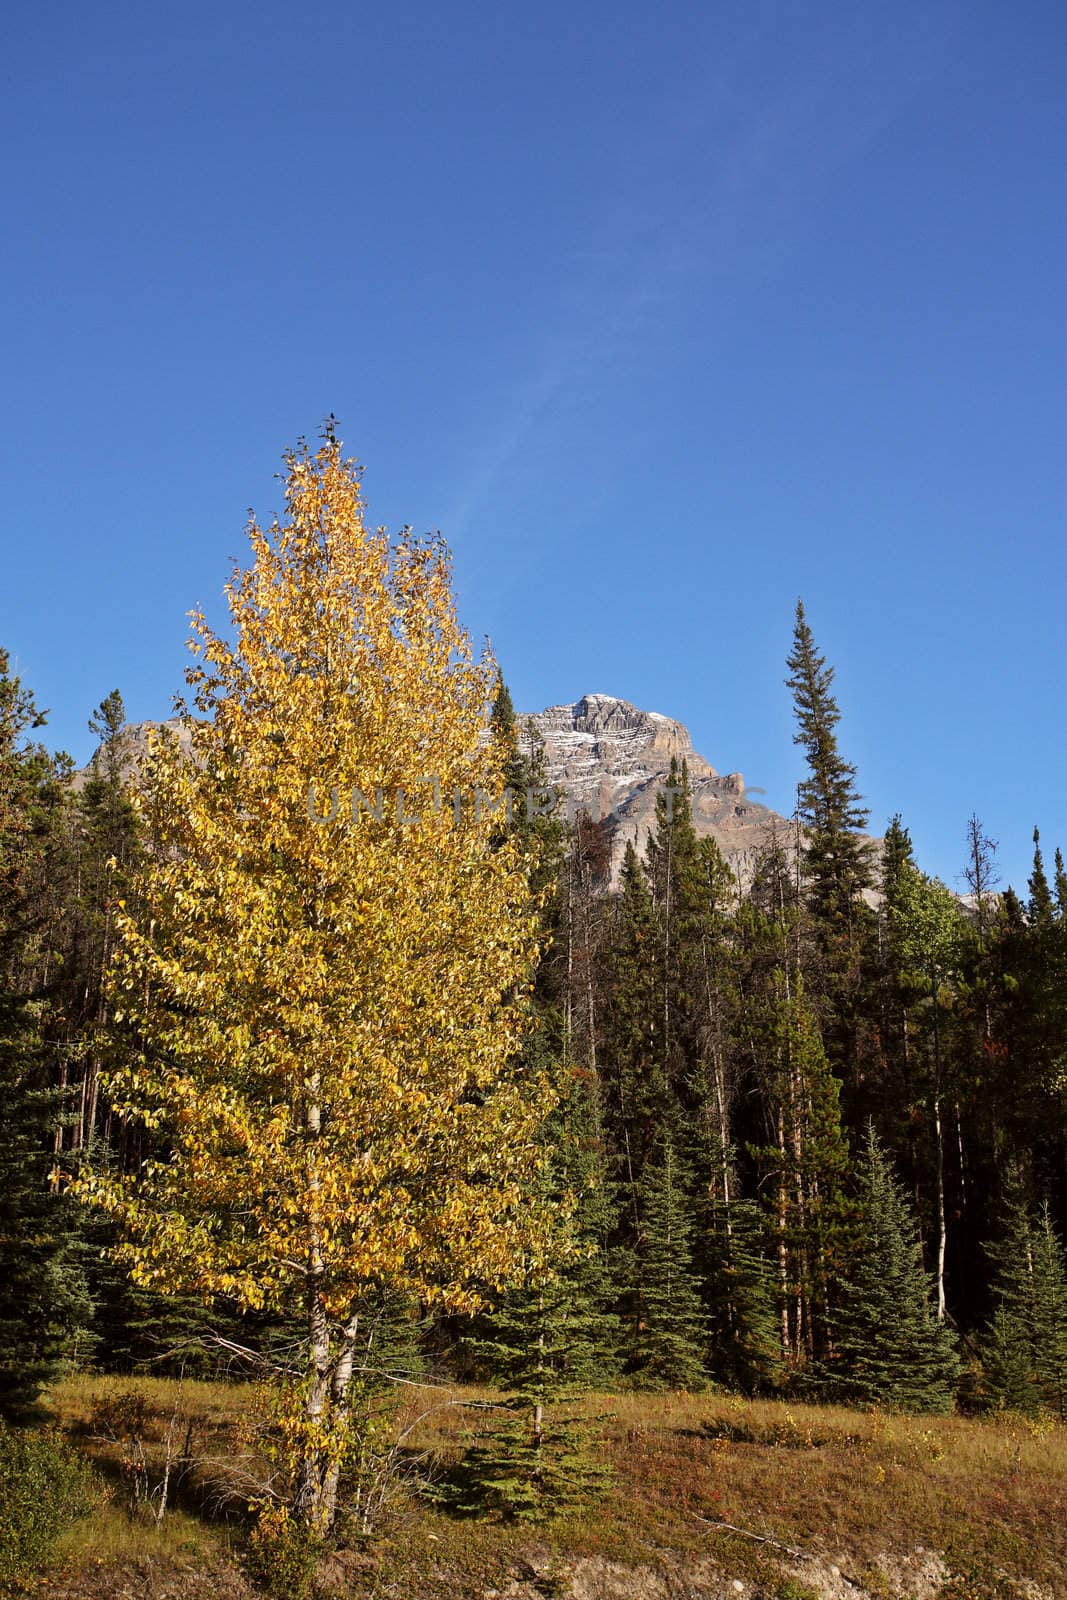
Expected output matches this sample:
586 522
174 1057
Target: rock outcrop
612 759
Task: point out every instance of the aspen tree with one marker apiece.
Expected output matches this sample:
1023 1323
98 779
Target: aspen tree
324 987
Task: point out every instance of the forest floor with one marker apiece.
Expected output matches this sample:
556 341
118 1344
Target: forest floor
710 1497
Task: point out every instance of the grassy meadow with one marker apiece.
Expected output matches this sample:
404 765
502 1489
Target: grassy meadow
706 1492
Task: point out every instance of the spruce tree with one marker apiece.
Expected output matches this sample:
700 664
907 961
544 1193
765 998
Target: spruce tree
1050 1314
668 1326
44 1297
1025 1345
890 1348
545 1342
554 1334
805 1168
928 935
836 870
1061 887
1042 906
829 805
677 872
635 1038
740 1297
533 1454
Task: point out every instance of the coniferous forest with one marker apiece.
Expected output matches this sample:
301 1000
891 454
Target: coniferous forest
803 1136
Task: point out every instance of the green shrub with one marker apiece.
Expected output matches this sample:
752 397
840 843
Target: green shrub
45 1486
282 1555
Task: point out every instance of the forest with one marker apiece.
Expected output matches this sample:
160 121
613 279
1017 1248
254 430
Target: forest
341 1105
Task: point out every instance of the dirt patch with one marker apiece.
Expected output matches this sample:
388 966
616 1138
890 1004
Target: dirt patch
149 1579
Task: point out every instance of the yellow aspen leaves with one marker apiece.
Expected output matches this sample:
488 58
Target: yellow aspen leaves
321 1004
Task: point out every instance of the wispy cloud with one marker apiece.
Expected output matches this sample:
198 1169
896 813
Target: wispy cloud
740 165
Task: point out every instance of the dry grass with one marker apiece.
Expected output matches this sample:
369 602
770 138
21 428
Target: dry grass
853 1487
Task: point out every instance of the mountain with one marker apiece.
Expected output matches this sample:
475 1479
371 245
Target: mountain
133 747
611 758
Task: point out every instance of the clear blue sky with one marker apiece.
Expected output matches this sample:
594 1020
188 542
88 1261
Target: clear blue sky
663 313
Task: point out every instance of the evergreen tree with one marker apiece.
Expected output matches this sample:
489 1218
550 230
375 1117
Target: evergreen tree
829 806
1025 1344
103 849
44 1299
668 1326
677 874
1050 1314
740 1298
533 1456
635 1040
553 1334
545 1342
894 1111
890 1347
804 1167
1042 906
1061 887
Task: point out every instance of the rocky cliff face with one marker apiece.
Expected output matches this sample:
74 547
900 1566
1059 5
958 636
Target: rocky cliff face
612 759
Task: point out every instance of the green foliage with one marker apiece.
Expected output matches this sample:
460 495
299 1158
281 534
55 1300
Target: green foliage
553 1334
807 1166
526 1464
668 1325
1025 1346
740 1298
45 1487
828 802
44 1298
282 1554
544 1342
634 1025
890 1348
532 1456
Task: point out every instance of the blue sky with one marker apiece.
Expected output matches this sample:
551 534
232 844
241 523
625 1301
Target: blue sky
664 314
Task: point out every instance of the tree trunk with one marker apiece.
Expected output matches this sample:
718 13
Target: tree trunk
316 1494
940 1137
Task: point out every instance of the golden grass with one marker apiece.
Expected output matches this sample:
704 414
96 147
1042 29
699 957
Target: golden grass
112 1536
854 1487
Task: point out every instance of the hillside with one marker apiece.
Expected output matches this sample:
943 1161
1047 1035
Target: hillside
712 1497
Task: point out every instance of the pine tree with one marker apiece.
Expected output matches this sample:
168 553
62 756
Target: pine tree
740 1297
635 1043
545 1342
805 1166
103 848
890 1348
829 806
533 1456
836 871
894 1111
1050 1314
677 872
1061 887
44 1299
668 1327
1042 906
1025 1345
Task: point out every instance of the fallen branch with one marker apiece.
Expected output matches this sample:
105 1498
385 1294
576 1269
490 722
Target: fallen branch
760 1538
765 1538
